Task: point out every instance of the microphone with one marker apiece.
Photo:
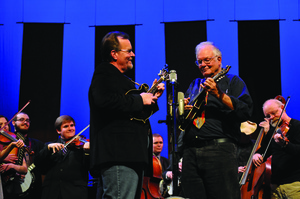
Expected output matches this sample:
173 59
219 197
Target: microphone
173 76
180 98
170 101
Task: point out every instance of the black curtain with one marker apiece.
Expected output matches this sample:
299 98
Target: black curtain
259 61
41 77
181 38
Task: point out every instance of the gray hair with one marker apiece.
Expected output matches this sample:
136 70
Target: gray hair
216 50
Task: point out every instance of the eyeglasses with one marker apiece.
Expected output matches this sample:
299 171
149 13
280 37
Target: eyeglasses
127 51
23 120
271 114
206 60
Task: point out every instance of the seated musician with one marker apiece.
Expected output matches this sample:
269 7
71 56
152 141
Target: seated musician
158 144
5 149
8 146
166 187
285 166
65 168
33 178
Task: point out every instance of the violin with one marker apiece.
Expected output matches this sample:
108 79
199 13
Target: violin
7 137
78 142
283 129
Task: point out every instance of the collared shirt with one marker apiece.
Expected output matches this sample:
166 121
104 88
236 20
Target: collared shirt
220 120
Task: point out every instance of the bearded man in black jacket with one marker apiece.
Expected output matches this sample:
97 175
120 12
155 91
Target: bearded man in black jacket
121 144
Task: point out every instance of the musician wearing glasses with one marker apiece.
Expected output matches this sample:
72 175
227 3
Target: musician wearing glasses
284 146
209 169
65 168
30 185
5 149
121 140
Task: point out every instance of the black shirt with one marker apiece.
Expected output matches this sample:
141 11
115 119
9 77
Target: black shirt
220 120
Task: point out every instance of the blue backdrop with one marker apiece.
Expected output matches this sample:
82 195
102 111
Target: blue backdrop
81 16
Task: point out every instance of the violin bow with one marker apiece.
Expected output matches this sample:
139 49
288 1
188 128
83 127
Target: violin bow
15 115
287 101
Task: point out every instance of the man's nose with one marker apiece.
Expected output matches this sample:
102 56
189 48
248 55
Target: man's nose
202 65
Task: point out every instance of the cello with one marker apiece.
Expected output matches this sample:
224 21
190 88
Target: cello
253 178
150 188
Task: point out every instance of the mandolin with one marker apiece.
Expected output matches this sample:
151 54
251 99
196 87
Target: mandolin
199 99
147 112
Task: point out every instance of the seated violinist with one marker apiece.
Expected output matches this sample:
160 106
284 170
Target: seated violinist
284 148
65 168
8 157
8 145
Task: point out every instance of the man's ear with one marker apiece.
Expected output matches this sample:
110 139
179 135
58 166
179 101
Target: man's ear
58 132
113 54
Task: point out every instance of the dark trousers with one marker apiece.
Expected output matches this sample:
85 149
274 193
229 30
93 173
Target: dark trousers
210 172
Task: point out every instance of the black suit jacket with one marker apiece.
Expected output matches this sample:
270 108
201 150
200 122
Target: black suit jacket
65 174
114 137
164 163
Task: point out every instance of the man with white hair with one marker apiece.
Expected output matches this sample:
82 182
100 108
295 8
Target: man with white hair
209 169
284 148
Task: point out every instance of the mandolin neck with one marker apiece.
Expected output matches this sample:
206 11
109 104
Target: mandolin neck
153 89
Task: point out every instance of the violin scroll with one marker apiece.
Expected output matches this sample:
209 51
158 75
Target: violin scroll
281 99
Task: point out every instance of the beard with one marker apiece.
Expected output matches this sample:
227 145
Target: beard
274 121
22 131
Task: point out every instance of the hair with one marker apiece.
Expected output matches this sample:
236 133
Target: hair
16 117
110 42
216 50
62 119
157 135
9 128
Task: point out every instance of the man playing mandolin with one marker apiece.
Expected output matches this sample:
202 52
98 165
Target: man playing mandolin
121 142
210 166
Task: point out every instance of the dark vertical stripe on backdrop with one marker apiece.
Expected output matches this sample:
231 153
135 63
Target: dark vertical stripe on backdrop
41 77
181 38
101 31
259 61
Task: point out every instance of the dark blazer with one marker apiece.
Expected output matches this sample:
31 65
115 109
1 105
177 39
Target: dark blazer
65 174
164 163
114 137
